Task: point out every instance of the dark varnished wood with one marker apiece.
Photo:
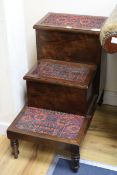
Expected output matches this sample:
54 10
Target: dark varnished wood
13 133
15 146
71 40
57 31
75 157
55 97
59 94
50 45
79 43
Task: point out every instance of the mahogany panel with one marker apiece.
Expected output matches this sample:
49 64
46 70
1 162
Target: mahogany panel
68 46
57 97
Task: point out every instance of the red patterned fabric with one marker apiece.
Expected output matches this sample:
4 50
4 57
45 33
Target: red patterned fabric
61 71
73 21
49 122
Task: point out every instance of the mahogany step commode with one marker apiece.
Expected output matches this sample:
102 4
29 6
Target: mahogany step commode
64 85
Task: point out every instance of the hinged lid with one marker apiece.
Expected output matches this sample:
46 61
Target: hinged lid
69 22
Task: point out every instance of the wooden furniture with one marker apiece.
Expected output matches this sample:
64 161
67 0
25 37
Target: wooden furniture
62 89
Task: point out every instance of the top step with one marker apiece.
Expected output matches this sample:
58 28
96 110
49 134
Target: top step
66 37
71 22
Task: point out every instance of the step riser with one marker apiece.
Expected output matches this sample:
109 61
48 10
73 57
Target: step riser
68 46
60 98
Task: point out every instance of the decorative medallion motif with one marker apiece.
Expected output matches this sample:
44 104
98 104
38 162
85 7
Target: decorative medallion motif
49 122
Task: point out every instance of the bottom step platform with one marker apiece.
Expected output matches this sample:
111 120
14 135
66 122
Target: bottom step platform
37 124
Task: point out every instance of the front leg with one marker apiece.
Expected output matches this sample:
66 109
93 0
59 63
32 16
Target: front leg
75 157
15 146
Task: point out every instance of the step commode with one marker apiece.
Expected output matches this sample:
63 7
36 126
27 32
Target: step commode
62 86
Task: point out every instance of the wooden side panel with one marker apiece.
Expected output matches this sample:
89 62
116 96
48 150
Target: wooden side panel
56 97
68 46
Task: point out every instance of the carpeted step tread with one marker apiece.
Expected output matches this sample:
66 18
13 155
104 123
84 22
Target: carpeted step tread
48 123
61 72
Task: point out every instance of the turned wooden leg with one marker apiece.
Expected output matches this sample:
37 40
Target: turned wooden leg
75 157
15 146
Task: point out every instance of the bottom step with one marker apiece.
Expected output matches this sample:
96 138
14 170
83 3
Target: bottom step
46 124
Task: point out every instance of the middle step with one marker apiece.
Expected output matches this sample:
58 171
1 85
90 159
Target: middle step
63 86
